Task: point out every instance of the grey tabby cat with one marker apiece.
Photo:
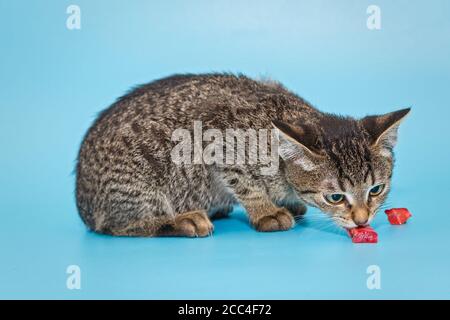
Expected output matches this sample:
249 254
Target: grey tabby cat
128 185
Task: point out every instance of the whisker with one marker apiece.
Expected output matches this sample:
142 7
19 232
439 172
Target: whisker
322 222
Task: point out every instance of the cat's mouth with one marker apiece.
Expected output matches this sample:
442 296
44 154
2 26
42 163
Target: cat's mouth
349 223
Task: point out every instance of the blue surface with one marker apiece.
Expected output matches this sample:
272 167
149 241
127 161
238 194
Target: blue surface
53 81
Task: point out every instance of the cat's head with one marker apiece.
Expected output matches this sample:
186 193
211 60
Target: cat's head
341 165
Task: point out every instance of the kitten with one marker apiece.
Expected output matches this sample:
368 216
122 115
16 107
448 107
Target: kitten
128 184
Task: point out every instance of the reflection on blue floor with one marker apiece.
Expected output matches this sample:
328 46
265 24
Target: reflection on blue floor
53 81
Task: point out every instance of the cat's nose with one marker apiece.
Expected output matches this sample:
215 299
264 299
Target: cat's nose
360 217
361 223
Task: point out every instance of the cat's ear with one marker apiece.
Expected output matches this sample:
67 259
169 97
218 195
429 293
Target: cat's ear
296 144
383 128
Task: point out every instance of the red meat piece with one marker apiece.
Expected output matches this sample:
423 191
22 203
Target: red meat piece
363 235
397 216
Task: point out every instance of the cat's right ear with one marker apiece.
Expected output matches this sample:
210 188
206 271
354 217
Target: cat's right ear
293 145
383 129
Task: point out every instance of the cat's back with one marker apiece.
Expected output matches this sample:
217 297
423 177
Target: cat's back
218 100
149 114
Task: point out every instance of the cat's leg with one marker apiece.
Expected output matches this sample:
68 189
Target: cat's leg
265 216
290 200
134 215
254 195
188 224
297 209
193 191
221 212
147 214
287 198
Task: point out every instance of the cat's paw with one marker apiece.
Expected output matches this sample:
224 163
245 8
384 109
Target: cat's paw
193 224
280 220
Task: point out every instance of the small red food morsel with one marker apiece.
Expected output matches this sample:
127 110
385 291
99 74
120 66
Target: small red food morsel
398 216
363 235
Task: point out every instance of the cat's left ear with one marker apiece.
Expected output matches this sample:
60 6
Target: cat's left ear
383 128
296 143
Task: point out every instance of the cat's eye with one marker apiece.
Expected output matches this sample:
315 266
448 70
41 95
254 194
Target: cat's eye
376 190
335 198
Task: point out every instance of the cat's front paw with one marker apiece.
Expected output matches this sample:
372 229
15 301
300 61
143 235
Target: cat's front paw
194 224
280 220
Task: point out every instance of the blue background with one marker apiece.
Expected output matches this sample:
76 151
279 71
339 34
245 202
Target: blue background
53 81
